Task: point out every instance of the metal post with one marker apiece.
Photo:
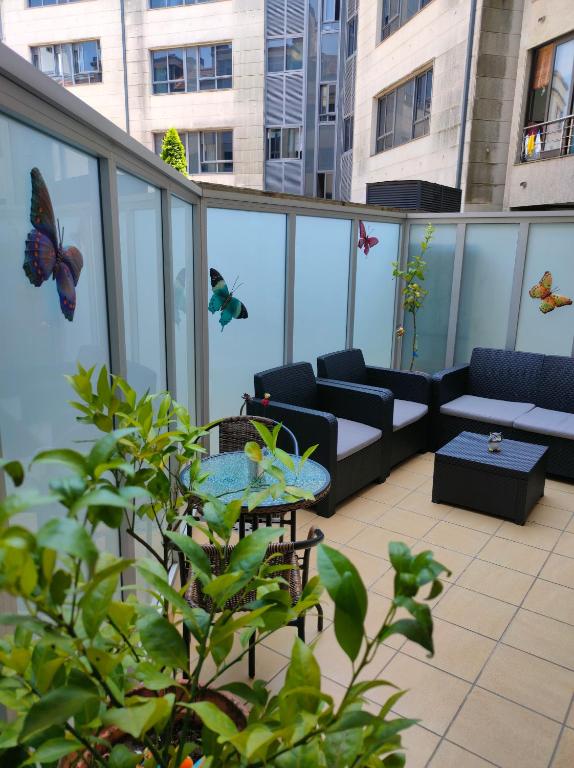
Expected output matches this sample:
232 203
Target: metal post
455 294
351 298
289 287
402 258
201 300
169 311
519 264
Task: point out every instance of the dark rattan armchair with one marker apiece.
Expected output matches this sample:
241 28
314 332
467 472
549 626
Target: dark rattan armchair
411 391
351 425
296 554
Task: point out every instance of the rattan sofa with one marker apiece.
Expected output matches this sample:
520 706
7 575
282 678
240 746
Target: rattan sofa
526 396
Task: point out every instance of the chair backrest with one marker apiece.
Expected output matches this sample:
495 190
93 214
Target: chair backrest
556 384
294 384
346 365
502 374
236 431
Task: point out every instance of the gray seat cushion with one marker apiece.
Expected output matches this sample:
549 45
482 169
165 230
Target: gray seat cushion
407 412
353 436
486 409
547 422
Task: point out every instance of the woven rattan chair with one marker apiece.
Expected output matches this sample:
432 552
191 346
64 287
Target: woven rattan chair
295 554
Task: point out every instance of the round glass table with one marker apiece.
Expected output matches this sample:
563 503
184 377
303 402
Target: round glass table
230 475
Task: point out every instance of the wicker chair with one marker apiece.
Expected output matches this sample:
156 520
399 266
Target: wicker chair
287 554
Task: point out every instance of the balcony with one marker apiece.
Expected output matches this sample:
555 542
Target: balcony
543 141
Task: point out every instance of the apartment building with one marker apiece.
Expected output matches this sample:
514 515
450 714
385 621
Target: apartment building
328 97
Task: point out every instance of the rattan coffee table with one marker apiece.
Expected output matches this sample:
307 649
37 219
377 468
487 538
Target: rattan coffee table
505 484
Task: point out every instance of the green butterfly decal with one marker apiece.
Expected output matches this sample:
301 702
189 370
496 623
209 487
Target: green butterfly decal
223 300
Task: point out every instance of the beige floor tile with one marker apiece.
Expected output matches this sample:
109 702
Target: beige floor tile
267 664
570 526
370 567
450 756
454 561
336 665
532 534
521 677
565 486
339 529
282 640
306 518
570 718
544 637
560 499
432 695
365 510
565 545
390 494
564 757
511 554
421 503
419 744
457 537
552 516
426 487
551 600
386 586
406 477
505 733
560 570
473 520
424 465
457 650
333 689
474 611
496 581
375 541
403 521
377 610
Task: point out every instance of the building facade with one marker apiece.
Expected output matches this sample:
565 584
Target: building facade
324 97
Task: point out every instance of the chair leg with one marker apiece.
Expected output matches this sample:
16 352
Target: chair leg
252 656
301 627
319 617
293 525
241 526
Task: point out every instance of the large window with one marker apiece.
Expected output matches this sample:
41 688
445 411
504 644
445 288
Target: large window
39 3
348 125
325 185
197 68
398 12
352 35
284 143
284 54
206 151
404 113
172 3
327 102
70 63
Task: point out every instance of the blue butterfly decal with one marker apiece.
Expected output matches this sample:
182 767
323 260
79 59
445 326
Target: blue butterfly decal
224 301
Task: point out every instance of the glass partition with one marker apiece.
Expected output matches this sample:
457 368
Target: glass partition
549 250
248 250
139 206
182 296
321 286
375 294
487 275
432 319
39 345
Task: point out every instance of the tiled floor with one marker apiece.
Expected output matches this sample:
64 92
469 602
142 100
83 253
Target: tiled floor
499 690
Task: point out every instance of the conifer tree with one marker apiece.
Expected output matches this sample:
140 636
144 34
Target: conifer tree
173 151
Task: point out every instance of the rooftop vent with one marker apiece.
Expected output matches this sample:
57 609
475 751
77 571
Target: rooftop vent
415 195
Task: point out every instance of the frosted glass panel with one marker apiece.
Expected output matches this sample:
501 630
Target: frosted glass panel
549 249
432 319
246 248
487 274
142 274
38 345
182 253
321 287
375 294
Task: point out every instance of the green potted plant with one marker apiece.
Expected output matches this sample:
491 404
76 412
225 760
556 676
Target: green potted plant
173 151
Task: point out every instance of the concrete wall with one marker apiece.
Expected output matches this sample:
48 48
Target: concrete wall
545 182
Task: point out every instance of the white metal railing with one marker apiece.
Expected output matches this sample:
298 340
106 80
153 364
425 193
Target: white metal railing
554 138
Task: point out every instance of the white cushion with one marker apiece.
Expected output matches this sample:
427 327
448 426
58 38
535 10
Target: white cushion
486 409
547 422
407 412
353 436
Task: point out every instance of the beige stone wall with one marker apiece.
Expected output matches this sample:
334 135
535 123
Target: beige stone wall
546 182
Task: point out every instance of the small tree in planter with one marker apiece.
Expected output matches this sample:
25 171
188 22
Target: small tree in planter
413 292
173 151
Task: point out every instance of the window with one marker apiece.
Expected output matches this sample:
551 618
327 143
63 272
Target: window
327 102
404 113
172 3
284 54
325 186
351 36
331 10
284 143
206 151
197 68
70 63
39 3
329 56
348 125
398 12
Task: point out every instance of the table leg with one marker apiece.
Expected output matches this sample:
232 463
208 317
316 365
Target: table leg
293 524
241 526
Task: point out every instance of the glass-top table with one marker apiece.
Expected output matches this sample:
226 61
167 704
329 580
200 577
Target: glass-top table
229 477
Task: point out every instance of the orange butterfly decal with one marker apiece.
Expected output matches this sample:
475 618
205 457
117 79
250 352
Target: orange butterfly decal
549 300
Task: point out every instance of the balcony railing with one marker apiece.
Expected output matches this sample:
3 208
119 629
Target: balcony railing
544 140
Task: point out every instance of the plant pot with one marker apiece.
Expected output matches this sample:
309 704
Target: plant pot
232 706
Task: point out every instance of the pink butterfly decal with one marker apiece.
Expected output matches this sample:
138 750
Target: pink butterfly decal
45 255
366 242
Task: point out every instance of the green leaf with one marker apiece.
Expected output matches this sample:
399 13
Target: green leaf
162 641
214 719
14 469
249 553
400 556
142 715
264 433
66 456
96 600
285 458
253 451
66 535
53 750
55 708
412 630
303 672
122 757
194 553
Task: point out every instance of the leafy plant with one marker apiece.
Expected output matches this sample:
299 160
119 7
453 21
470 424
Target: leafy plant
413 292
173 151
